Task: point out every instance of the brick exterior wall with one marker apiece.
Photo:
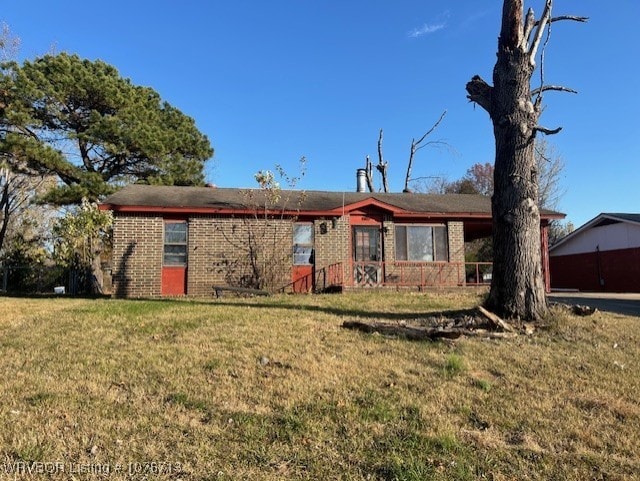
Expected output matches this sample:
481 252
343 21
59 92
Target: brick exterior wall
217 253
203 237
455 231
389 239
137 255
334 246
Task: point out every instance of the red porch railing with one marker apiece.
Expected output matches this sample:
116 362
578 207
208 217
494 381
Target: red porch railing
420 274
330 276
321 279
392 274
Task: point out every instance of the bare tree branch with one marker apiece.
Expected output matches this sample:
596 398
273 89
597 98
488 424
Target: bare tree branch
547 131
425 177
540 27
437 143
573 18
542 88
480 92
550 167
415 145
434 127
542 58
558 88
545 20
529 25
9 43
380 156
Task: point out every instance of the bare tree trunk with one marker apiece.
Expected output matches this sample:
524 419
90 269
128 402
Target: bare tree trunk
415 146
382 165
517 287
5 211
369 176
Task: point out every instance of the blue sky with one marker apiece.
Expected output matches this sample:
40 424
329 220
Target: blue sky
271 81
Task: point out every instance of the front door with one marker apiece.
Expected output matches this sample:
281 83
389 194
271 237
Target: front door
367 256
303 258
174 260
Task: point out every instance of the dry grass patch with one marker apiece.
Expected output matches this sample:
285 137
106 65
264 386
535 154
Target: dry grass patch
275 389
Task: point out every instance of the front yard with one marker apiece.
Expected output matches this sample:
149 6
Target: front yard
274 388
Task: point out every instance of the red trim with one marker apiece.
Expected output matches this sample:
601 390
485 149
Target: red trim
365 220
206 210
544 245
442 215
370 202
307 214
174 281
397 212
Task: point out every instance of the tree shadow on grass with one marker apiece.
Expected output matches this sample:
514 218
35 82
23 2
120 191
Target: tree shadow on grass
335 311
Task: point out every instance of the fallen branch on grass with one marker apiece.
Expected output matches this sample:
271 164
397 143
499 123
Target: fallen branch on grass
415 333
497 322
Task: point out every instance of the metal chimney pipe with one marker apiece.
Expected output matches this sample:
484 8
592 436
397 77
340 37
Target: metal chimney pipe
361 177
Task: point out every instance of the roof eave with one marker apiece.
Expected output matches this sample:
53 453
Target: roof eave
399 214
583 228
154 209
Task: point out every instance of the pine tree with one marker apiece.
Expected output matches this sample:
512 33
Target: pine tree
78 119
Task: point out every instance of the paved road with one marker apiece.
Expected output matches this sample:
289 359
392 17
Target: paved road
628 304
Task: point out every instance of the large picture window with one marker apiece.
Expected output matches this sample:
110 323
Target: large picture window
175 244
422 243
302 244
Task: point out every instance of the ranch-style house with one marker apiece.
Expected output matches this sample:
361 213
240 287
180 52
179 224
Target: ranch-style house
183 241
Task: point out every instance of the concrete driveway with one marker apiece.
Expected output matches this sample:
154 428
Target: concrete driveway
628 304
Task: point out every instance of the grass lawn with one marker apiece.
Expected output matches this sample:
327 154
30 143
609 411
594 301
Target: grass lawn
274 388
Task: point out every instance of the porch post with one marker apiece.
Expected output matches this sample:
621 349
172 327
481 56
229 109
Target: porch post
544 247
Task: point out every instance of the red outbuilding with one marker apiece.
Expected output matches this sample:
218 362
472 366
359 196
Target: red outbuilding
602 255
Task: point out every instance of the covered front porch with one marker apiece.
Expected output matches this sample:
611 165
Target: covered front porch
368 267
414 275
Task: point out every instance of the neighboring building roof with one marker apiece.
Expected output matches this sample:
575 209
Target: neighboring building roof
600 220
622 217
138 197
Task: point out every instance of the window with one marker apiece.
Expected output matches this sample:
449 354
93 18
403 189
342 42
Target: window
302 244
366 244
175 244
421 243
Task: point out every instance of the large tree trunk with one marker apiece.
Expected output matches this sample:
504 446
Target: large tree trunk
517 289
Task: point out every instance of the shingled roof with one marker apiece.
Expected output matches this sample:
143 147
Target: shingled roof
213 199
